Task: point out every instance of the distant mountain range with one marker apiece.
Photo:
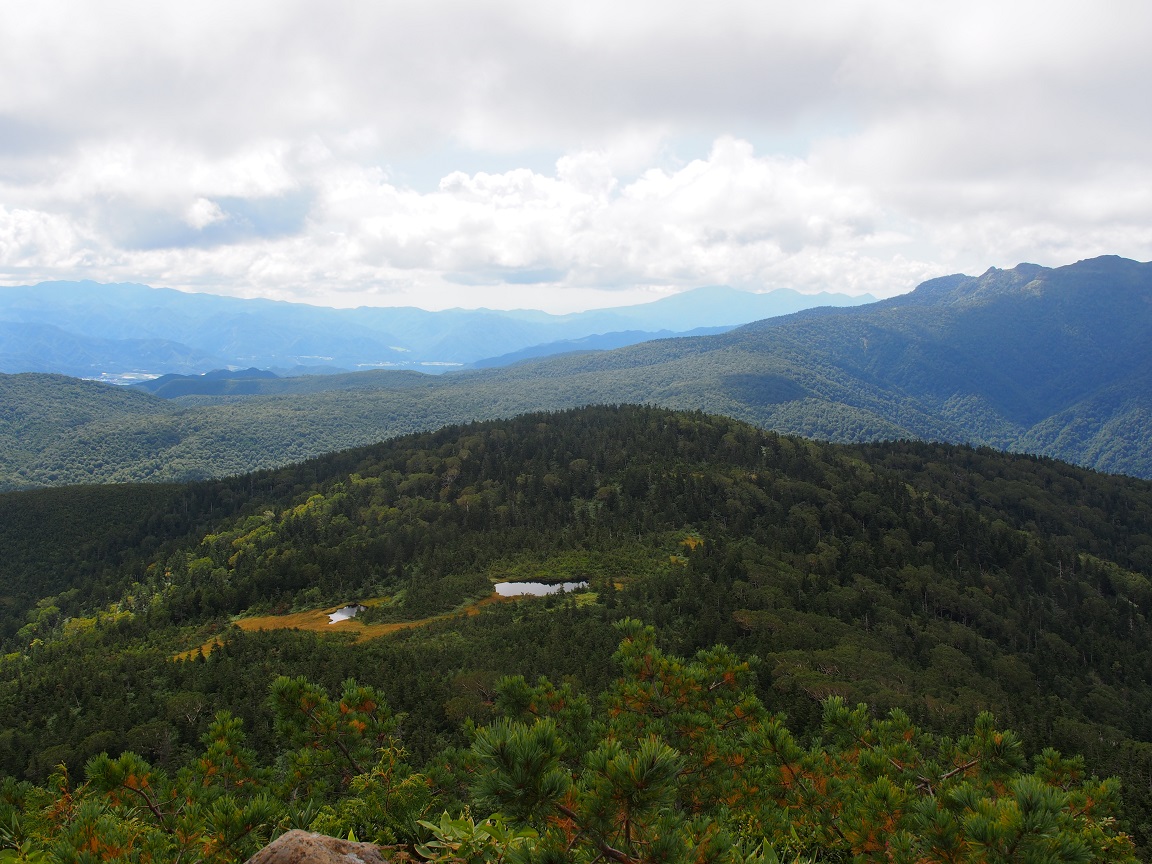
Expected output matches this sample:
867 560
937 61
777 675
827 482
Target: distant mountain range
1048 361
152 331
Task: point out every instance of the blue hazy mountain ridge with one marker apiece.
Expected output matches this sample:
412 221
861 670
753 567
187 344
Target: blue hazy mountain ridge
229 330
252 381
38 347
208 331
596 342
1049 361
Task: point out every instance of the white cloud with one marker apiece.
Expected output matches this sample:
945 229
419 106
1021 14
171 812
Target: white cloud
849 145
203 213
28 238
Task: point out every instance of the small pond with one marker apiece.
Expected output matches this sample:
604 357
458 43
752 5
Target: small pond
536 589
345 613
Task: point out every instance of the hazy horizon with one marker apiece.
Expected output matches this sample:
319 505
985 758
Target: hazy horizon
622 301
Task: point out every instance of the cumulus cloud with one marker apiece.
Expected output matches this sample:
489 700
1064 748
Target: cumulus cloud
733 216
861 146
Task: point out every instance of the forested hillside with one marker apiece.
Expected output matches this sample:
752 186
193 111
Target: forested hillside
1050 361
933 581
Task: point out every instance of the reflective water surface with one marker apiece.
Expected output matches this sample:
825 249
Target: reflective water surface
345 613
536 589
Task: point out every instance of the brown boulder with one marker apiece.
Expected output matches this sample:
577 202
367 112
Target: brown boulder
303 847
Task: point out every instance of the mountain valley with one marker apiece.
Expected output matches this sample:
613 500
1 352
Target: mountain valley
1047 361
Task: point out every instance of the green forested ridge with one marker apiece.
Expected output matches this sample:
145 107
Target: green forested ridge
1051 361
42 414
933 580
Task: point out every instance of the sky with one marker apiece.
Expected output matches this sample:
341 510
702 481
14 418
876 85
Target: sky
567 155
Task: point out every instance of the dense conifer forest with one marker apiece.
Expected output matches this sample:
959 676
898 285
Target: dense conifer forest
956 592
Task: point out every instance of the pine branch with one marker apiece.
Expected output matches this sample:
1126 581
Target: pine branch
605 850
